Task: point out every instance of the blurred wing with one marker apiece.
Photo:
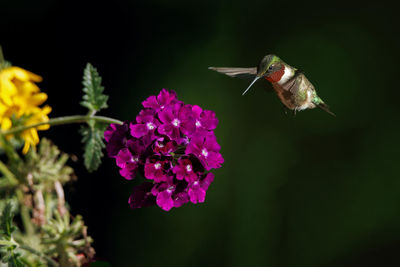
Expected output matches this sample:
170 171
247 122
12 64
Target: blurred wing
243 73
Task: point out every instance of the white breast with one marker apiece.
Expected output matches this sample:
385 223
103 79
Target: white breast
286 76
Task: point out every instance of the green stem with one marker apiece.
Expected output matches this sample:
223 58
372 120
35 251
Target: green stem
1 56
25 216
40 254
62 120
8 148
9 175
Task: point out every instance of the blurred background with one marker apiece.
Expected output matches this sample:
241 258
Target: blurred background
305 190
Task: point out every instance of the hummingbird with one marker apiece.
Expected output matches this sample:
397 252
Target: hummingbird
293 88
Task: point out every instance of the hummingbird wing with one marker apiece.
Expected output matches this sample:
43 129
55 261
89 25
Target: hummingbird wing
243 73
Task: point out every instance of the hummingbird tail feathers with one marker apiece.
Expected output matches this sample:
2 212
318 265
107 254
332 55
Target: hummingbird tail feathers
243 73
325 107
321 104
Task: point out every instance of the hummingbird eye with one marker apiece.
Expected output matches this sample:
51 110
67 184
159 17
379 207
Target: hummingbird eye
270 67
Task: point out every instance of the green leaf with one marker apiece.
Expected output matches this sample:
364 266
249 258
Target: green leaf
93 97
7 227
93 140
6 221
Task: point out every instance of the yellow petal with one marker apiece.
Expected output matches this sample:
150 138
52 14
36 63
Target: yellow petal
26 147
37 99
6 124
25 75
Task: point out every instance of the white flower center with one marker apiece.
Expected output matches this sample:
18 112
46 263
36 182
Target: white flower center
150 126
170 189
198 123
160 144
186 140
204 152
176 122
188 168
157 166
162 107
135 159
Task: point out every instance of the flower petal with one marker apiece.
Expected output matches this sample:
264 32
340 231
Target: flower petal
138 130
196 193
164 200
141 196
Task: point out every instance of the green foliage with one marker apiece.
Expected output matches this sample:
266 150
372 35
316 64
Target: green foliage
64 238
46 165
93 99
7 243
93 145
6 221
49 236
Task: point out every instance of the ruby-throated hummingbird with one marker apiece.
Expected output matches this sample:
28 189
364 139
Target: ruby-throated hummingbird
291 85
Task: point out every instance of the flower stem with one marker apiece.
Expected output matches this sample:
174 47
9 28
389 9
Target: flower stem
8 174
25 216
62 120
1 57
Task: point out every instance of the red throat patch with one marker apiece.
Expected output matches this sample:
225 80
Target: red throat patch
276 76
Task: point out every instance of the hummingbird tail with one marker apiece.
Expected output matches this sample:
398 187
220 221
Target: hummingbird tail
321 104
325 107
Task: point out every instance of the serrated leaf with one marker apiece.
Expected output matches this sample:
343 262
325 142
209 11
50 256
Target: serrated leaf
6 220
93 97
94 144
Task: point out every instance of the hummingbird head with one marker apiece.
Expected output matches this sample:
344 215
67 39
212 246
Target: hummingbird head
268 65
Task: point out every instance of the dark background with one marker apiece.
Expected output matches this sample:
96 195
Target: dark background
305 190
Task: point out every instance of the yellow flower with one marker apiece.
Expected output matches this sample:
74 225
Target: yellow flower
20 99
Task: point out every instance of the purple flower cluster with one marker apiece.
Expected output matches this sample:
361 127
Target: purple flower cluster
172 145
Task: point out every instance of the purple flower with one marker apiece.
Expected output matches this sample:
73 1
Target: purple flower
128 159
147 124
111 129
163 99
169 194
206 149
173 145
184 170
142 196
157 170
164 198
117 136
198 189
164 146
176 119
180 198
204 119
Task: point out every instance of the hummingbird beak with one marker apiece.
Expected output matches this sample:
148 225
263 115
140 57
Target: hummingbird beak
255 79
